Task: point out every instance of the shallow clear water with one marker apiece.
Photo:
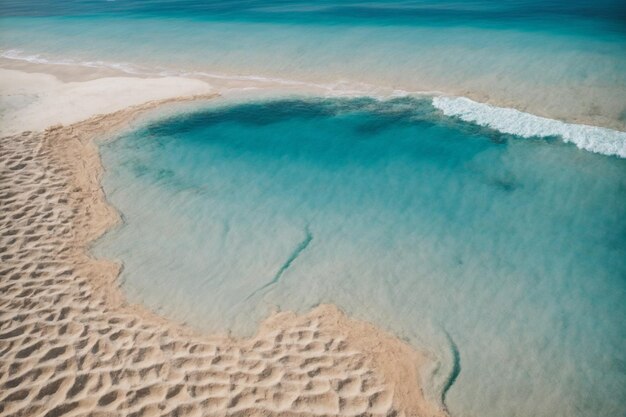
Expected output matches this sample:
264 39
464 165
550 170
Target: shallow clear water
510 251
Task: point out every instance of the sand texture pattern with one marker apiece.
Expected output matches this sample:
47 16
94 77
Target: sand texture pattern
70 345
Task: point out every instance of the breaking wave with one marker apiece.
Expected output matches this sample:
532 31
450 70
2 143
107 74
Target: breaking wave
506 120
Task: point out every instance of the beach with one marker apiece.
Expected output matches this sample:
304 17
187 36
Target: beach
71 343
297 208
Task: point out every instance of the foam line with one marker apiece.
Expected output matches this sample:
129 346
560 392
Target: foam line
18 55
339 88
511 121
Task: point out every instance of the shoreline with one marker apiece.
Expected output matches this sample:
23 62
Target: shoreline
75 72
72 342
39 100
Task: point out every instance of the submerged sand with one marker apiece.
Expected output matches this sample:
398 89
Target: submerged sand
70 344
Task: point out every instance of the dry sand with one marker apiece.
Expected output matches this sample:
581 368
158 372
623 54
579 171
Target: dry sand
70 345
34 101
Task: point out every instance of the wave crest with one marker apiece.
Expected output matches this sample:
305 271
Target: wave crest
591 138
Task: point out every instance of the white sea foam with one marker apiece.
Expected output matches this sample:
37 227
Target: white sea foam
511 121
340 88
17 55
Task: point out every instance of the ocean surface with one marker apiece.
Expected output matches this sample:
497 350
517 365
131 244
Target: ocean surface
491 235
554 58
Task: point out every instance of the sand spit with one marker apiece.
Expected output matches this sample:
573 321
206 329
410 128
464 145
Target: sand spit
70 345
35 101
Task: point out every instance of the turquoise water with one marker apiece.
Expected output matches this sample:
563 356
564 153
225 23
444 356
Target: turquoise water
508 251
502 254
554 58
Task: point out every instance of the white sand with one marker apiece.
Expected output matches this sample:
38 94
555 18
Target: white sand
70 345
31 101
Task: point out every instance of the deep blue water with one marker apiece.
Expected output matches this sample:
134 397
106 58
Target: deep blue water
444 232
461 11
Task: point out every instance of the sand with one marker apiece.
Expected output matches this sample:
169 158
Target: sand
71 345
34 101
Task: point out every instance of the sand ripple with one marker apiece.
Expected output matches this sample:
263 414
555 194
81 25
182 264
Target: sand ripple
71 346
